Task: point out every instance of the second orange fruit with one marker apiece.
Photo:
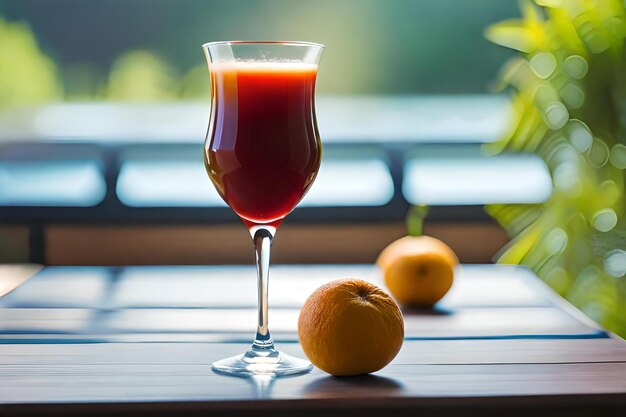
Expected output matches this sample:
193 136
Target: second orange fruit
418 270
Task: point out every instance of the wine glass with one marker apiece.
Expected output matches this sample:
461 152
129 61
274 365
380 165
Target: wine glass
262 152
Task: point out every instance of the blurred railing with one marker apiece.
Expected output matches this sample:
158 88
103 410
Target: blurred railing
90 165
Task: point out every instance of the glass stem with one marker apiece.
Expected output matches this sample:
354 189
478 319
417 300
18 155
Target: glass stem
262 237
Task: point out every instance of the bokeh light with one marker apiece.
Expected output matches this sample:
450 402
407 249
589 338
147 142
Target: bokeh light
604 220
615 263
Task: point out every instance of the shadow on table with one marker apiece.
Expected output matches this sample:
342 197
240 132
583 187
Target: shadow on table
426 311
330 386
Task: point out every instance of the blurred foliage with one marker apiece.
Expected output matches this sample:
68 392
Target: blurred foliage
194 85
26 74
143 76
416 42
569 100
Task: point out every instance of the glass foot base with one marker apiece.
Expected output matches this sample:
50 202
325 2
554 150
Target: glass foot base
267 361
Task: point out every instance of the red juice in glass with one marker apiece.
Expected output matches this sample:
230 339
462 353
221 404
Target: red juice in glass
263 150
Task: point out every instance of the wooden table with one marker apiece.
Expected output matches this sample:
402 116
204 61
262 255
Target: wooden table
140 341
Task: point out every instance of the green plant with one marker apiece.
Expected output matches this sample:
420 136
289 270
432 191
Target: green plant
569 104
140 75
27 75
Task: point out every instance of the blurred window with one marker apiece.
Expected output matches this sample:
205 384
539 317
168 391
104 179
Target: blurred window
51 183
402 104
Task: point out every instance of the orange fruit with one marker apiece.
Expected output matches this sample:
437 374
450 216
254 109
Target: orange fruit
418 270
350 327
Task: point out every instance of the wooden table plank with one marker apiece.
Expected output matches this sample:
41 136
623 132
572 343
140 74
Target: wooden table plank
231 286
45 320
237 324
40 383
424 352
470 322
235 286
61 287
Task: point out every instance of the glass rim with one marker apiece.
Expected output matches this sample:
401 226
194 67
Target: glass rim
285 43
